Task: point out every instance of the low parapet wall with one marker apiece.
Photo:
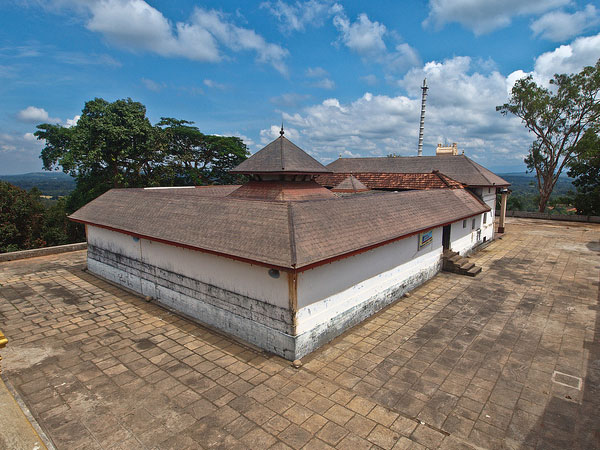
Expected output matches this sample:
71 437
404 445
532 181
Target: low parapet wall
24 254
548 216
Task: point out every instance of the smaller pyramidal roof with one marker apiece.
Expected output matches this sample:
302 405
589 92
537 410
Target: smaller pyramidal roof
350 184
281 156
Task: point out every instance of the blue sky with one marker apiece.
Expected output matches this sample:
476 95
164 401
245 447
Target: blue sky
343 76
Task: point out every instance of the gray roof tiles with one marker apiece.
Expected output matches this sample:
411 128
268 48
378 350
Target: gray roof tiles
280 234
459 168
281 156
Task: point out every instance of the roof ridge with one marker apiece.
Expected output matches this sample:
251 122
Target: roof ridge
475 166
292 231
442 176
281 152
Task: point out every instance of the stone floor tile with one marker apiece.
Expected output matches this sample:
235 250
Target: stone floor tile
427 436
453 351
332 433
383 437
295 436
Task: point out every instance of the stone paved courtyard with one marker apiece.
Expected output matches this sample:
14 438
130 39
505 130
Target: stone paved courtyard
510 359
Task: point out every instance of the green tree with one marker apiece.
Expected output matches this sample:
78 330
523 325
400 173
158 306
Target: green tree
21 218
112 145
196 158
558 117
586 171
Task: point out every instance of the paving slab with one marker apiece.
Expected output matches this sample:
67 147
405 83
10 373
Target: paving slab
508 359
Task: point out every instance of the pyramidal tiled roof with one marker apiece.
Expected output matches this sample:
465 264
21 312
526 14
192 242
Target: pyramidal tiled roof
281 156
350 184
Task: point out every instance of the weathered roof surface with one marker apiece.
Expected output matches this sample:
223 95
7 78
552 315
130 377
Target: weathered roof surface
349 184
459 168
400 181
331 228
281 156
218 190
281 234
256 231
282 191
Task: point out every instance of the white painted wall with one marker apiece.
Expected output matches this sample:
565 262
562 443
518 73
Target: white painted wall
462 238
329 290
487 229
246 279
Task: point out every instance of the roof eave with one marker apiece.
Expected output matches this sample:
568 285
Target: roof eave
289 268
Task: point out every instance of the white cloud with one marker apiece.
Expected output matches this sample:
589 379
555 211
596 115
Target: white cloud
460 108
72 122
213 84
559 25
316 72
268 135
362 36
135 25
571 58
19 152
366 38
82 59
237 38
325 83
297 16
35 114
484 16
152 85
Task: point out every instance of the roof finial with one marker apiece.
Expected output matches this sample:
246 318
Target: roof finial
281 132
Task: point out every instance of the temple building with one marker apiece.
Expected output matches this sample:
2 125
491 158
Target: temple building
282 261
446 170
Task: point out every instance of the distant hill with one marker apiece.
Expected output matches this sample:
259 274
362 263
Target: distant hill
525 183
55 184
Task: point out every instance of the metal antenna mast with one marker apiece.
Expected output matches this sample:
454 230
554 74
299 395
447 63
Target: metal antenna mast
422 125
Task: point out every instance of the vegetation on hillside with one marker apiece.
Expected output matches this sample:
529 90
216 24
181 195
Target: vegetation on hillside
51 184
586 171
25 222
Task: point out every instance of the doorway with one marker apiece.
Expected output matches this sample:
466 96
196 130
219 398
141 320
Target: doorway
446 237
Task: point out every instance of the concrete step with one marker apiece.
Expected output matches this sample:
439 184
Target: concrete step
473 271
453 262
467 266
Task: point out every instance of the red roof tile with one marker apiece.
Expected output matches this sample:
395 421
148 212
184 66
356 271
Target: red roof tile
282 191
399 181
350 184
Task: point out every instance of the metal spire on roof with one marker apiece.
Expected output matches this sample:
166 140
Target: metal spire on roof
281 132
422 125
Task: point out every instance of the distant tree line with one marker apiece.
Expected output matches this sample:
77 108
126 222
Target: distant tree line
113 145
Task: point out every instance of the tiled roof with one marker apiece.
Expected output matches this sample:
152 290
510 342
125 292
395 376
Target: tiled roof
459 168
350 184
398 181
281 156
217 190
282 191
279 234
